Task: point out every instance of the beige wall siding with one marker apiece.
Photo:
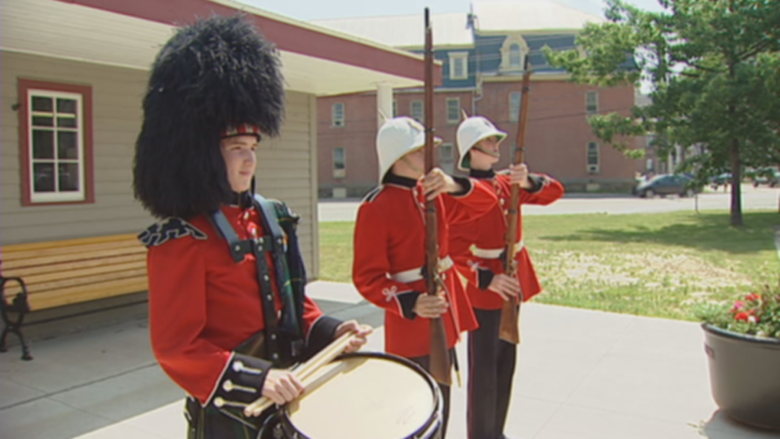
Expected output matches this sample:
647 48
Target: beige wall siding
286 167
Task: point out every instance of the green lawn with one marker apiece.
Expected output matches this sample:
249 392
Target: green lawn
648 264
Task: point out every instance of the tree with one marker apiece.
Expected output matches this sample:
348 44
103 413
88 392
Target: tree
713 69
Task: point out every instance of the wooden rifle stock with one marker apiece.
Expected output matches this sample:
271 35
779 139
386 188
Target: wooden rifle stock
509 329
439 356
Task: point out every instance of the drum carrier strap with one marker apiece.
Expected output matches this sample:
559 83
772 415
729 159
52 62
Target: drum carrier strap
277 329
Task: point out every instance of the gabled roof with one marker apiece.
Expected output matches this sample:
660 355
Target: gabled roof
406 30
529 15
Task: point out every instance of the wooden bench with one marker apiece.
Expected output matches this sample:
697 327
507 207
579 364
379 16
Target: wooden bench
58 273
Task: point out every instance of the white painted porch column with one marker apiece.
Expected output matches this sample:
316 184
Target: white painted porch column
384 102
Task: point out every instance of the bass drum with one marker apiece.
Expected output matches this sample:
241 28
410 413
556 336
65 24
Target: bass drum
367 395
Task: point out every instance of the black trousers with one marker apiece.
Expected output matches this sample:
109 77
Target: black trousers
425 363
491 369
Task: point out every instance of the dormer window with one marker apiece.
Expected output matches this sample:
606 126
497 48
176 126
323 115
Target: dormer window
513 54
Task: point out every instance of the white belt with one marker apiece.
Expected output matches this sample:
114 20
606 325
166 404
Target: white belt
416 274
494 253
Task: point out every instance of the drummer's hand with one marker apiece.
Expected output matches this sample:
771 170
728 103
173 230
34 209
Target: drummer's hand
281 386
360 331
429 306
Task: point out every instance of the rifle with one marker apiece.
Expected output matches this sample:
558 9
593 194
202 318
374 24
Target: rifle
509 329
439 357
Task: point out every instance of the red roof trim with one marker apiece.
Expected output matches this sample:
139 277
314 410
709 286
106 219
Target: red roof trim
287 36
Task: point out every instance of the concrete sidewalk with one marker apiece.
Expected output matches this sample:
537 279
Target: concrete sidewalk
581 375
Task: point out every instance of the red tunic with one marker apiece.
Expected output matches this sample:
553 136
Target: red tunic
476 245
390 241
203 304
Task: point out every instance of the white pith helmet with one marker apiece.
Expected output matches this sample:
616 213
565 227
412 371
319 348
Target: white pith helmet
396 138
470 132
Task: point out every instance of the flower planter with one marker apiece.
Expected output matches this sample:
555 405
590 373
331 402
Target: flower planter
745 376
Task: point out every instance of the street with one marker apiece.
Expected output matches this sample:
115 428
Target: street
616 204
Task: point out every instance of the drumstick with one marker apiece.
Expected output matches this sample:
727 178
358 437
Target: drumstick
303 372
324 356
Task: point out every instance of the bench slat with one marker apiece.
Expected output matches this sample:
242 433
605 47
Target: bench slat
66 296
71 250
34 283
60 284
69 242
12 265
74 265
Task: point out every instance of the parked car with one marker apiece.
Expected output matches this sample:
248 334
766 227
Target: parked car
668 184
720 180
767 176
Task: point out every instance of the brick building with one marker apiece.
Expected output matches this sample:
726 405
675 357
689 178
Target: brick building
482 53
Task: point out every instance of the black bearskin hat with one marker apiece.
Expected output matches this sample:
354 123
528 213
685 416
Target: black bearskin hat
210 76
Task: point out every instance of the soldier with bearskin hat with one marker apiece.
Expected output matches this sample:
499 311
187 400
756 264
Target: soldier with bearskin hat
389 244
226 279
477 248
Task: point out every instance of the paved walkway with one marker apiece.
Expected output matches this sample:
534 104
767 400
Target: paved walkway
582 375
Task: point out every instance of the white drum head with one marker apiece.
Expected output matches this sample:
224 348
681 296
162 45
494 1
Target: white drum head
367 397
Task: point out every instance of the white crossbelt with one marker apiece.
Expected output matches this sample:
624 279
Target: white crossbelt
494 253
415 274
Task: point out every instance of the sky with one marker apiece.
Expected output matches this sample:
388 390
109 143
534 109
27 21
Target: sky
320 9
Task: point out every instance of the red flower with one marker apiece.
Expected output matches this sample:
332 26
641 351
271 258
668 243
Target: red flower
755 297
738 305
742 316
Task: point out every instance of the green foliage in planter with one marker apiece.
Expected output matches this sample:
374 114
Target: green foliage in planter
755 314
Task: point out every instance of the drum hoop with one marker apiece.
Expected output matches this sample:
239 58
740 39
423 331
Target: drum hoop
284 414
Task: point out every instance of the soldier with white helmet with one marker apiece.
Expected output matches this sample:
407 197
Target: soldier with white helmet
390 244
477 249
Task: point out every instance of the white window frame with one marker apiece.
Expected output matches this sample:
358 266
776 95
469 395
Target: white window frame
514 109
453 118
56 196
591 108
459 57
338 118
339 172
412 111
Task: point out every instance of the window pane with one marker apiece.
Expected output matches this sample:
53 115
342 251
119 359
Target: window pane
44 177
66 122
43 144
514 55
43 121
459 67
395 108
69 177
514 105
40 103
453 110
592 102
417 110
67 147
66 106
338 159
593 153
445 152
